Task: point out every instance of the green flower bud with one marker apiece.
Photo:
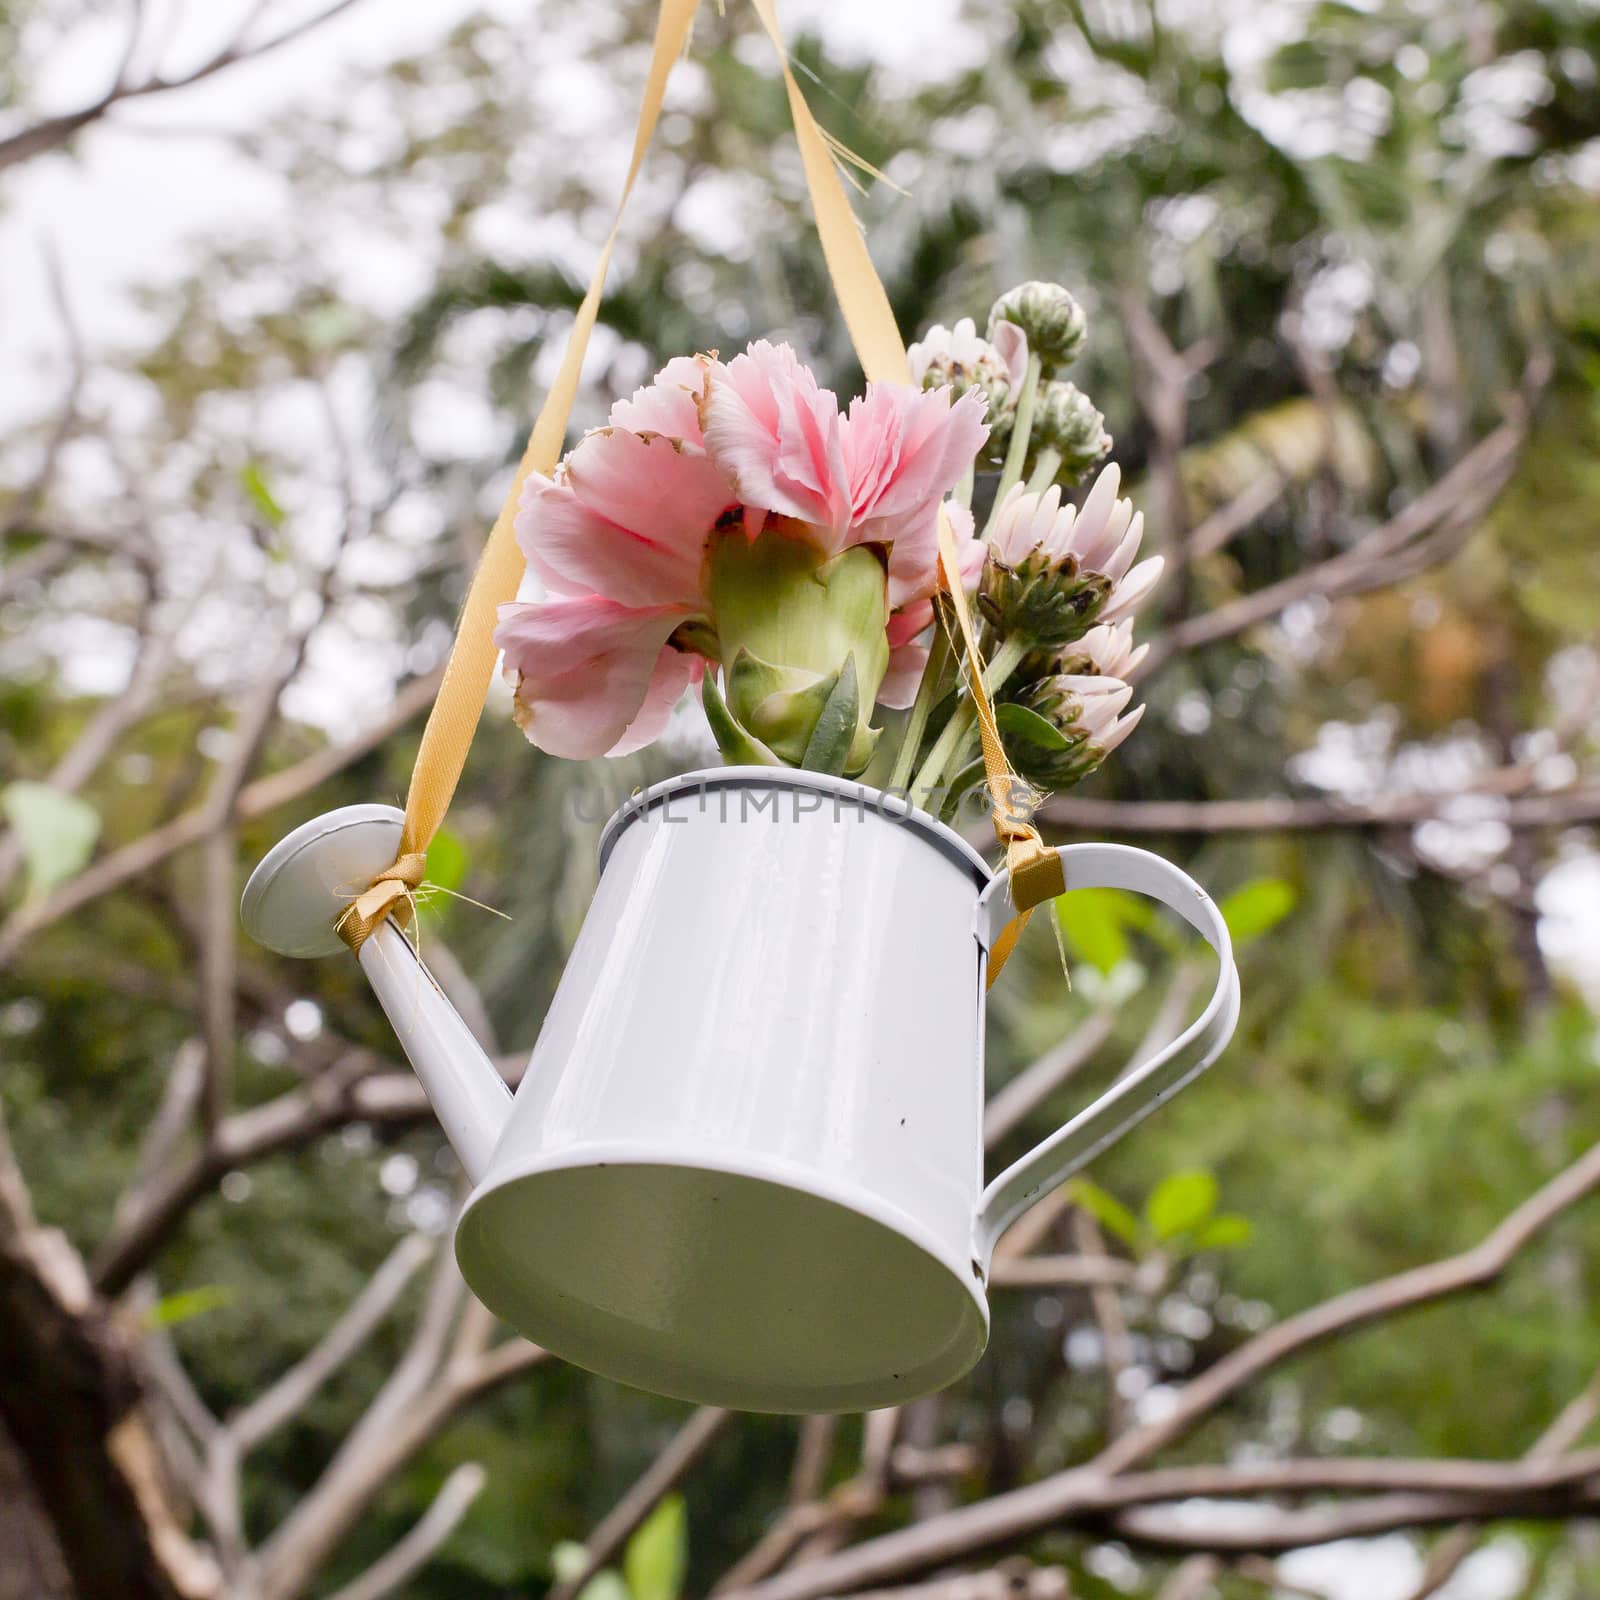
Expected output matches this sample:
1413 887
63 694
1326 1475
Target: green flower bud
804 648
1065 420
1044 599
1058 730
1050 316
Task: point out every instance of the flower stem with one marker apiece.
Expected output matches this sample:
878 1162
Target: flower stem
951 742
1021 430
921 709
1044 474
962 493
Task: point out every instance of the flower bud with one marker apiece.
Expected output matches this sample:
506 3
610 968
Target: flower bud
1050 316
1059 730
803 646
1043 599
1065 420
956 358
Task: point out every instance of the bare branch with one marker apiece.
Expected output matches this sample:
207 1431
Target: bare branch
70 1400
963 1533
1061 1272
253 800
408 1557
1219 530
1037 1082
1459 497
1278 1531
219 960
53 132
659 1479
353 1089
1106 1304
288 1396
1550 809
1575 1419
1011 1580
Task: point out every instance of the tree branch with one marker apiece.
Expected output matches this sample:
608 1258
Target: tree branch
449 1506
255 799
288 1396
1552 809
659 1479
1096 1487
1460 496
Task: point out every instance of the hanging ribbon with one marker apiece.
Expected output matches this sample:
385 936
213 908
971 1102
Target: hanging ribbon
447 736
1036 872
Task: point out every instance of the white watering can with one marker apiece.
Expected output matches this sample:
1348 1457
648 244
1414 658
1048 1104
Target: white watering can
745 1164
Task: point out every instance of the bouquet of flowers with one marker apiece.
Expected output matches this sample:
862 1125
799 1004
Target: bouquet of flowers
732 529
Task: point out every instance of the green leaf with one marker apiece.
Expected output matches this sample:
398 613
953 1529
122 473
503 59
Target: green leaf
172 1309
658 1554
738 747
1095 922
261 497
447 860
1022 723
605 1585
828 748
957 789
567 1560
56 832
1226 1232
1107 1210
1256 908
1181 1203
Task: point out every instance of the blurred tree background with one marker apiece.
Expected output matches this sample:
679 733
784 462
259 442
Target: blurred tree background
1345 329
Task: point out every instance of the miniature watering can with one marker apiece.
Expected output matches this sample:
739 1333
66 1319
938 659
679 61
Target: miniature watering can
745 1164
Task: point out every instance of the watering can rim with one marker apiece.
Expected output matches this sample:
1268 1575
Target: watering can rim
891 805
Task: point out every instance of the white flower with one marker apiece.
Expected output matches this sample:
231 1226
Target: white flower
960 358
1101 539
1107 649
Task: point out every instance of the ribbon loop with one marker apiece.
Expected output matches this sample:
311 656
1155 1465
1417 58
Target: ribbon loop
389 894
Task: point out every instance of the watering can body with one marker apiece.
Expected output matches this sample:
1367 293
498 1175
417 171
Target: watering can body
745 1163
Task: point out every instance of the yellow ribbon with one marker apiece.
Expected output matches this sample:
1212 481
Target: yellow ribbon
1036 872
1035 869
451 724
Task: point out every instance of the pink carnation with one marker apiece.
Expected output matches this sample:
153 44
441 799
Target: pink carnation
618 535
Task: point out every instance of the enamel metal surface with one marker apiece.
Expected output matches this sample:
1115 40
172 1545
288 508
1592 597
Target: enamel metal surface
744 1162
307 878
745 1165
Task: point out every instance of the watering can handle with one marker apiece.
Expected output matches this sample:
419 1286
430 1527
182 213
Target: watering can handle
1113 866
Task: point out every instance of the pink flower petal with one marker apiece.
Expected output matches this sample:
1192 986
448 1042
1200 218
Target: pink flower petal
908 622
777 435
1012 343
628 518
584 669
676 670
906 449
904 675
669 405
914 557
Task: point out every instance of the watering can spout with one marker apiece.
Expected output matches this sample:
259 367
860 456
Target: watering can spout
290 905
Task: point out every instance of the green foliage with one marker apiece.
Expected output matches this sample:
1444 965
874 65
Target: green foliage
1180 1215
1256 908
171 1309
657 1556
254 484
56 831
447 861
